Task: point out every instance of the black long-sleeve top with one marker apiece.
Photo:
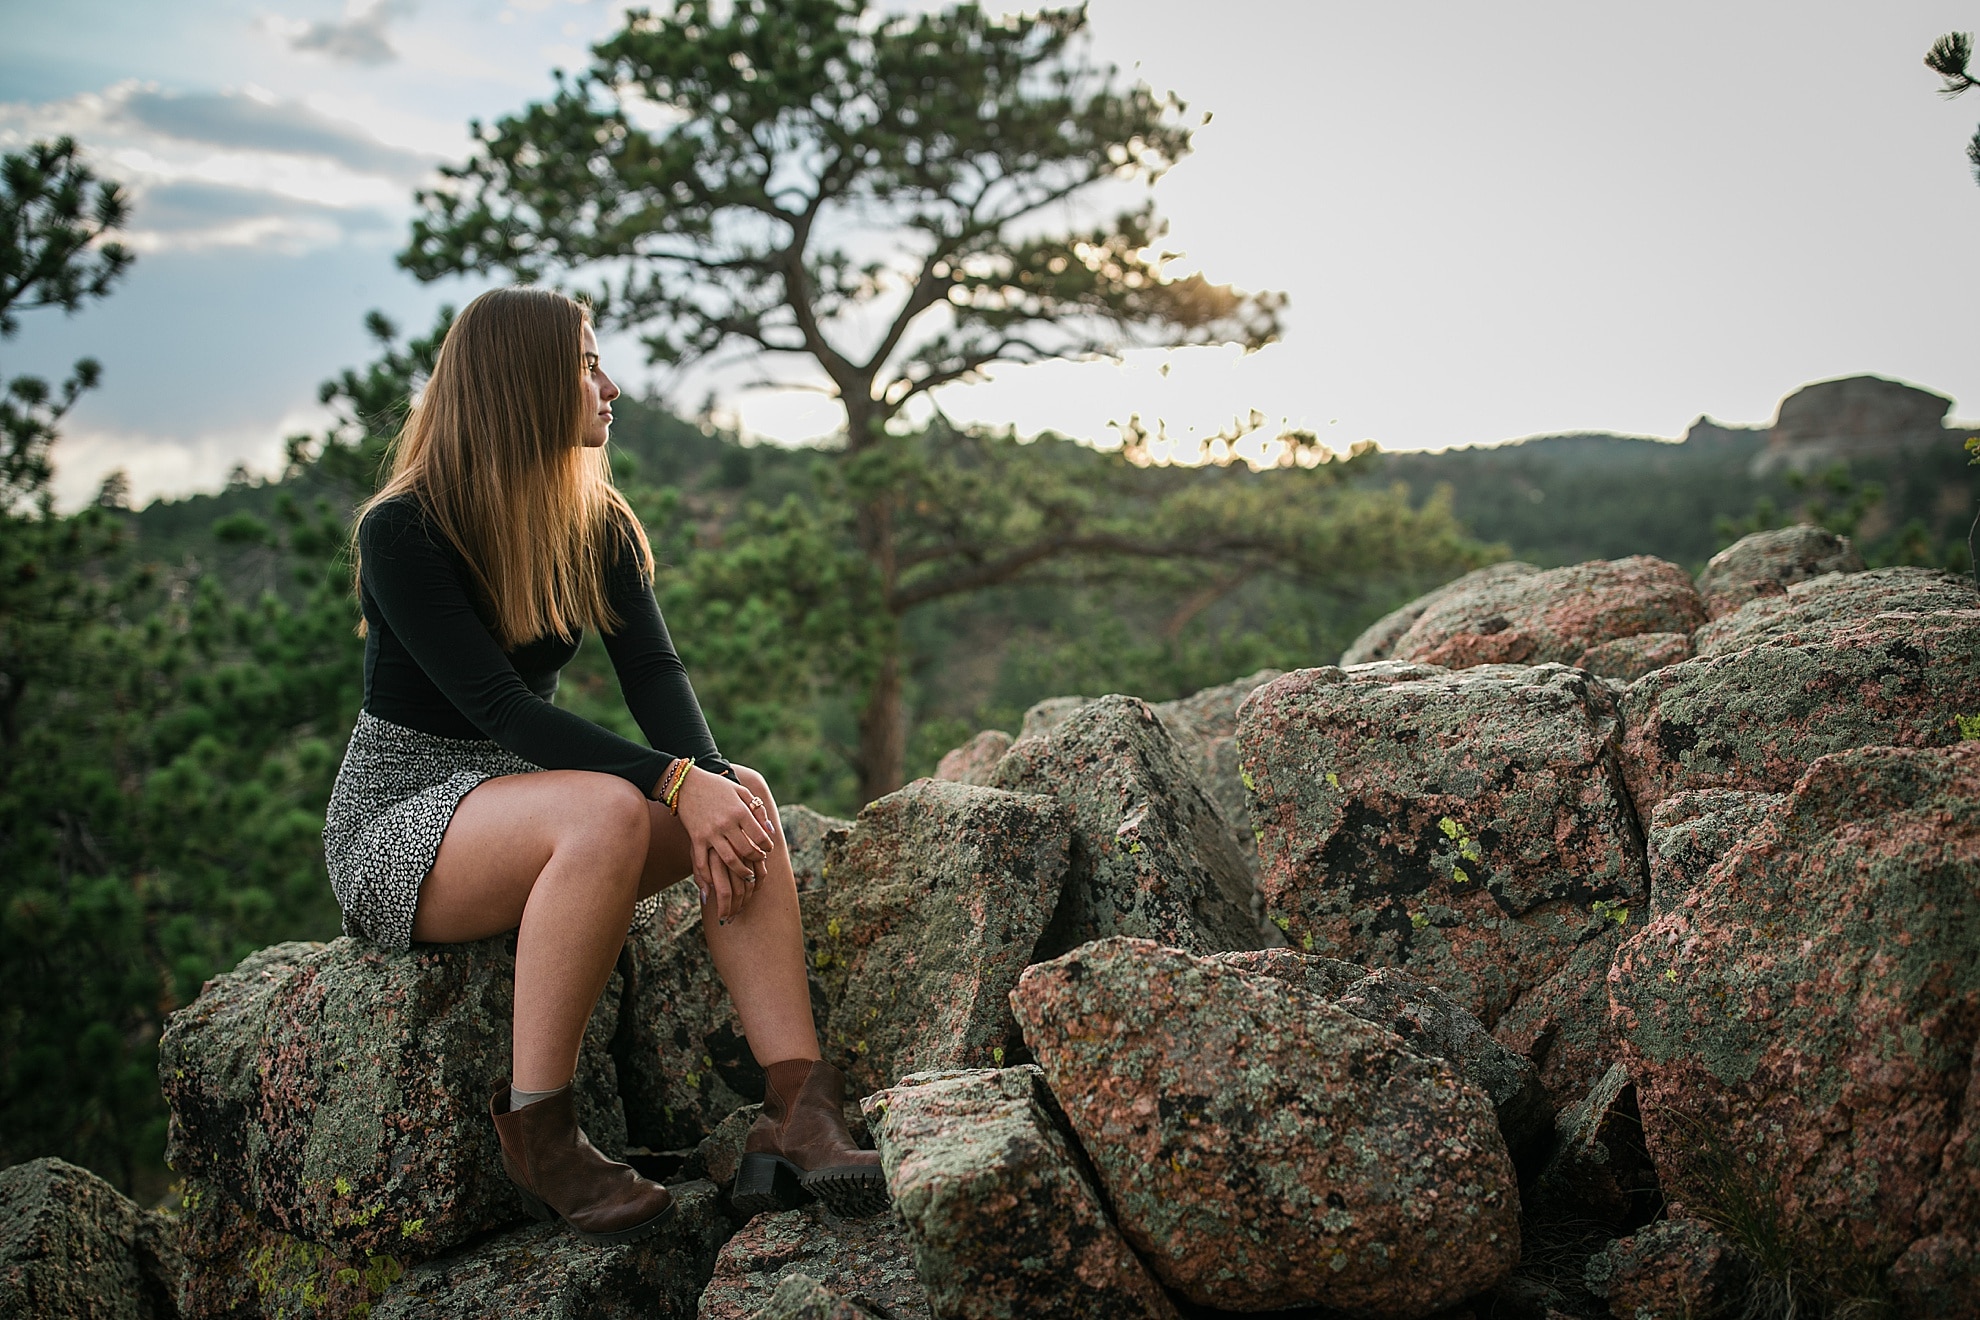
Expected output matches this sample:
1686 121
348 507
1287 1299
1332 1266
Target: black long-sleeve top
432 663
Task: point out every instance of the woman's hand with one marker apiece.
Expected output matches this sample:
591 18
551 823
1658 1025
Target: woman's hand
729 838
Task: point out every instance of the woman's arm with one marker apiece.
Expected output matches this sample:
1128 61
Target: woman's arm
651 675
419 589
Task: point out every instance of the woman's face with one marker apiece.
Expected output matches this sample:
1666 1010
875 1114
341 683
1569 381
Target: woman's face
599 391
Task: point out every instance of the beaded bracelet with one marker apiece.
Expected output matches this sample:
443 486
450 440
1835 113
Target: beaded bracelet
676 775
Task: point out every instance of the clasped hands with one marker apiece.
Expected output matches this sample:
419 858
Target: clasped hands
730 839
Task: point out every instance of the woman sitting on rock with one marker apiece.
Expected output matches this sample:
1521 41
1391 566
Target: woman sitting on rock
468 805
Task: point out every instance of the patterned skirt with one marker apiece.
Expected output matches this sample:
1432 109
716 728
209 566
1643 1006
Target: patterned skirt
394 797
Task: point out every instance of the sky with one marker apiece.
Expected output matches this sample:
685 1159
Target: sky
1490 221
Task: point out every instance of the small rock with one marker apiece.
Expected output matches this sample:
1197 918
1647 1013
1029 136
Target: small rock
975 760
1048 715
804 833
1599 1171
1468 827
1151 854
1003 1221
1378 640
1767 563
867 1263
1263 1149
72 1247
939 895
1323 978
1553 616
1811 611
1801 1027
1755 719
1626 659
1675 1269
1939 1276
801 1297
340 1092
548 1272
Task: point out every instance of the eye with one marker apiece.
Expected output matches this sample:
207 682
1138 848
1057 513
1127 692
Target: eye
590 363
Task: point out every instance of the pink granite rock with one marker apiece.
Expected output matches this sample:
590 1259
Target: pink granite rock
1626 659
1802 1024
1378 640
1004 1223
1755 719
72 1246
1151 854
1554 616
973 762
1768 563
868 1263
938 898
339 1093
1470 828
805 832
1676 1269
1811 610
1262 1148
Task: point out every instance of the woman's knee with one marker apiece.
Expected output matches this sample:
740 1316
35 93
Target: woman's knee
607 813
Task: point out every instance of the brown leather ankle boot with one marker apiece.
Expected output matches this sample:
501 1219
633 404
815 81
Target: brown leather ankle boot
799 1148
561 1174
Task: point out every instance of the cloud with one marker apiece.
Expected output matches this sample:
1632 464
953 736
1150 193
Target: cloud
359 37
234 169
265 124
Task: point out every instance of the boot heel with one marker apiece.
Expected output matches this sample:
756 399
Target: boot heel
536 1208
767 1182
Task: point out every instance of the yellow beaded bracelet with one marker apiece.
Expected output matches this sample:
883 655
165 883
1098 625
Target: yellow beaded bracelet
676 775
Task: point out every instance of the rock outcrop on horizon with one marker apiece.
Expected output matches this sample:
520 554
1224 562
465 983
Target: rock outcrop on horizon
1596 944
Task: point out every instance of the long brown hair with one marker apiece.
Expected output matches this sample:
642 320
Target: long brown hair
494 453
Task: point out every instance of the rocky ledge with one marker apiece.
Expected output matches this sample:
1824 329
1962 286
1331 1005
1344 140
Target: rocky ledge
1589 942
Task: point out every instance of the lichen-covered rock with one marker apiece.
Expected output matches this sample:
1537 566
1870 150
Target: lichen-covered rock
1003 1221
1811 611
340 1092
1675 1269
1626 659
684 1060
1468 827
1691 833
1426 1020
801 1297
1151 855
1768 563
1802 1027
544 1271
868 1263
1266 1149
1204 725
973 762
1756 719
938 897
1553 616
239 1269
1939 1276
1598 1171
804 832
72 1247
1378 640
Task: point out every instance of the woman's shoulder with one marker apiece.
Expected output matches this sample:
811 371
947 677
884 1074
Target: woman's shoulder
397 522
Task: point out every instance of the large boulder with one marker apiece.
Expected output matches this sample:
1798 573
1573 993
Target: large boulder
1691 833
868 1263
237 1268
1470 828
1004 1223
1378 640
1263 1148
1553 616
72 1247
340 1093
1151 854
938 897
1768 563
1204 725
1047 715
975 760
1803 1028
804 834
1427 1021
1626 659
548 1273
1754 720
1818 608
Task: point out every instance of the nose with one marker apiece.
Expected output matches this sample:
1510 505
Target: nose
607 391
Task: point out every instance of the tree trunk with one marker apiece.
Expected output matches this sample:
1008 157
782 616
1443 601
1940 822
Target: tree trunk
883 731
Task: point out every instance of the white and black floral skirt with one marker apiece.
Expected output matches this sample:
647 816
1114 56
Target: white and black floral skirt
394 797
